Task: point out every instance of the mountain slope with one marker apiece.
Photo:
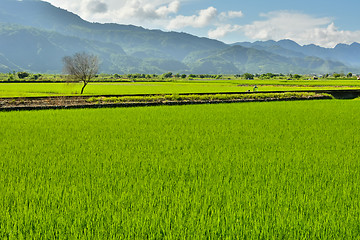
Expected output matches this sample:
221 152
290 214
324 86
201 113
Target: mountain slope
132 39
35 36
243 59
6 65
42 51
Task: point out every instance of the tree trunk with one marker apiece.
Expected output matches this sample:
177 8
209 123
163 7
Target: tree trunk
82 89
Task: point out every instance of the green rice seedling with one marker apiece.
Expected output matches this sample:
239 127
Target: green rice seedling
271 170
215 86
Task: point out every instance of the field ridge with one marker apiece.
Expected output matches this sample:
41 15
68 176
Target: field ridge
74 102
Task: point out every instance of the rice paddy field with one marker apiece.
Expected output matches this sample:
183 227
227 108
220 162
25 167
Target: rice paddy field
195 86
275 170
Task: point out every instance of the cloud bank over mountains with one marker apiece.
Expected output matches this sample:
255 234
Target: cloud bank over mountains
299 27
164 14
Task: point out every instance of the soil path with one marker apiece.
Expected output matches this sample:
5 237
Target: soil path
68 102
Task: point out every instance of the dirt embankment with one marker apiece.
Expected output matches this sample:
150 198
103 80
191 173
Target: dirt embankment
68 102
42 101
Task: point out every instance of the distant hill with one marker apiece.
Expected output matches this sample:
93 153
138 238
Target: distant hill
134 40
36 50
35 36
347 54
255 60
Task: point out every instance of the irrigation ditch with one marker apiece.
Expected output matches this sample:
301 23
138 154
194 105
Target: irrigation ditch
140 100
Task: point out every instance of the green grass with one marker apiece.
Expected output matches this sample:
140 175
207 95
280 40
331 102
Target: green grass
279 170
303 83
50 89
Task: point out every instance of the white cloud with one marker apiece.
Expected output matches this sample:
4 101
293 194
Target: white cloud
97 7
126 11
164 11
203 19
223 30
330 36
143 10
299 27
231 14
223 26
234 14
282 23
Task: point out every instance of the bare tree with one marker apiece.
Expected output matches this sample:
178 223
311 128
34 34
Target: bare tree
82 67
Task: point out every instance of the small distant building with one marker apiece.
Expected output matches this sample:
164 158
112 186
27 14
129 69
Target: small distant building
315 77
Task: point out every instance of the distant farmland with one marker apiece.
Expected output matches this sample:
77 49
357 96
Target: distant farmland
280 170
194 86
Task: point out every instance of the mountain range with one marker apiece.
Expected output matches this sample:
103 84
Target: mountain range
35 36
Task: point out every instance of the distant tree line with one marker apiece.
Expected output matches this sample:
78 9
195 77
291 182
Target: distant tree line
26 76
137 75
167 75
202 76
12 76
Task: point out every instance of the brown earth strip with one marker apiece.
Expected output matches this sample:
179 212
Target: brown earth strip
42 103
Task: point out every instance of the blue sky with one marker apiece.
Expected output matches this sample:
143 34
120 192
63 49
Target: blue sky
320 22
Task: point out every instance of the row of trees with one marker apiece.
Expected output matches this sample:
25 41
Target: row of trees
166 75
291 76
22 75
